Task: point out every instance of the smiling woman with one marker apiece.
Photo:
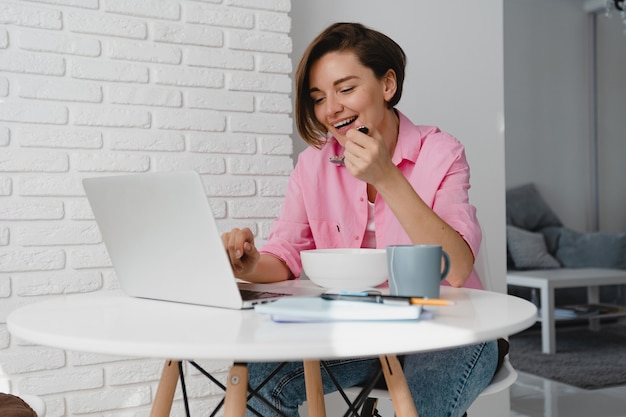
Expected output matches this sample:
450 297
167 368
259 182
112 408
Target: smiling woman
399 183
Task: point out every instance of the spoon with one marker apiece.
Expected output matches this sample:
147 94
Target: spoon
339 160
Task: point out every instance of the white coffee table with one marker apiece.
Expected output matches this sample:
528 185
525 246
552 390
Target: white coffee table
548 280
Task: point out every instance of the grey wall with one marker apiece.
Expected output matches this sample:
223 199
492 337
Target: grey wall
454 80
547 90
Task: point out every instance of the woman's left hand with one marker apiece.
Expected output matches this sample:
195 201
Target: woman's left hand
366 156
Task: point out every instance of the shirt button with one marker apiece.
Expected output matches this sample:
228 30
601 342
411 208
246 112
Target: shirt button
361 199
356 238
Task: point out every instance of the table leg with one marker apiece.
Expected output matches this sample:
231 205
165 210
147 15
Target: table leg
401 398
593 297
164 397
548 325
236 391
314 389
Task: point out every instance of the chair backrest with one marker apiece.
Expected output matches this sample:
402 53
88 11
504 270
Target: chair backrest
481 264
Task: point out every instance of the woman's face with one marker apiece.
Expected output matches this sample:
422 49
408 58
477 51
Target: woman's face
347 95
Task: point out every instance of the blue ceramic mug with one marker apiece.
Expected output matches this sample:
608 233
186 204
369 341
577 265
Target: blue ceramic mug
416 270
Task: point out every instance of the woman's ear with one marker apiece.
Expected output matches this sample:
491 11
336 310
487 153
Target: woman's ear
390 84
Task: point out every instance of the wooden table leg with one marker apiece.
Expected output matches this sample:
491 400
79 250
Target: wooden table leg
401 398
164 397
236 391
314 389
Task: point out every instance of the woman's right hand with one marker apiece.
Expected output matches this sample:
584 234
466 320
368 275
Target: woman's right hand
243 255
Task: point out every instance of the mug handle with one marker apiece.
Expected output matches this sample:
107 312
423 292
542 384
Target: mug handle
446 265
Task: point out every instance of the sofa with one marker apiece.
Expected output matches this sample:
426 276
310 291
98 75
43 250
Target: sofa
537 239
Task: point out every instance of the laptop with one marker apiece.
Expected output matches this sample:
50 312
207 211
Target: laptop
163 241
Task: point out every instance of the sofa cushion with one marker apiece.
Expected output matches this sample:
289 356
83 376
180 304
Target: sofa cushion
526 209
589 250
528 249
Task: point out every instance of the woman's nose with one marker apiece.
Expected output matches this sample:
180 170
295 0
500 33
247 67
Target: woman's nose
333 106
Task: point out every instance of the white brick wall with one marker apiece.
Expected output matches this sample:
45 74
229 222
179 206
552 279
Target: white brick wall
104 87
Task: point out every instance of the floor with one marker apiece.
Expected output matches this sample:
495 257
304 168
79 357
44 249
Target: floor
532 396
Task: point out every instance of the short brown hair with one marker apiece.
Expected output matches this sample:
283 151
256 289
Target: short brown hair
373 49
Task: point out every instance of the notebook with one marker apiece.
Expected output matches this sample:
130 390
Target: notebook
163 241
307 309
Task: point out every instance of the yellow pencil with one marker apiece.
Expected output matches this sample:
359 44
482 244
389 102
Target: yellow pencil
431 302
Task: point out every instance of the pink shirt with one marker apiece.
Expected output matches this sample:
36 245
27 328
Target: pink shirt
326 207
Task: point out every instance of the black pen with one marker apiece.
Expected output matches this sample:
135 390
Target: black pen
388 299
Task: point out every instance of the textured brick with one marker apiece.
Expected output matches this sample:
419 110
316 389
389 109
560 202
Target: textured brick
110 162
222 143
33 161
60 90
272 63
109 400
112 117
6 185
189 120
4 38
189 77
143 51
57 234
5 136
160 9
131 373
223 59
188 34
261 166
35 17
5 338
56 282
86 4
49 186
109 25
275 103
201 163
265 42
218 100
62 381
32 260
269 83
29 359
89 257
33 113
5 288
29 63
5 235
229 187
209 15
276 145
59 43
273 22
272 187
275 5
147 141
252 208
4 87
268 123
108 71
45 137
148 96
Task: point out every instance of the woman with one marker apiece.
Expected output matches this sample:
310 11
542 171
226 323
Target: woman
398 183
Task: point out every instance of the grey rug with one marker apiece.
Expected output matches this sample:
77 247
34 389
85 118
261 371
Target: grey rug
584 358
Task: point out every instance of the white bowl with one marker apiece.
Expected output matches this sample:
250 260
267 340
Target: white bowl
345 269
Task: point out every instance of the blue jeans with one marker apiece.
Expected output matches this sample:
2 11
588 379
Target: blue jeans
442 383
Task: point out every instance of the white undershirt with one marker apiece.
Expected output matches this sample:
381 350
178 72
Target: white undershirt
369 240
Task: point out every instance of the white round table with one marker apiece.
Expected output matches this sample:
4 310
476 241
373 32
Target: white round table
113 323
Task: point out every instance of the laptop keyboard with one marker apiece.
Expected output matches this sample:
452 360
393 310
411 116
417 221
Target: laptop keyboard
256 295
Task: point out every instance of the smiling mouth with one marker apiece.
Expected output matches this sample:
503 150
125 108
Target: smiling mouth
344 123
